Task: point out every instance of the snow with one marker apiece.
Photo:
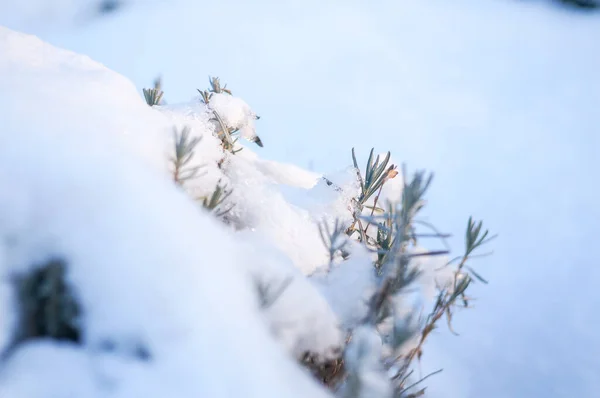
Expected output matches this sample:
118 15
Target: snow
148 267
347 286
498 98
263 208
298 315
136 270
236 114
365 349
256 184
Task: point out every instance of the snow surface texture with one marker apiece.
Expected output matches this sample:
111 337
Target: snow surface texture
148 266
498 97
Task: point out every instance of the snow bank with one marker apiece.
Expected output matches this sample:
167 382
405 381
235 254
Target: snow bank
151 270
83 178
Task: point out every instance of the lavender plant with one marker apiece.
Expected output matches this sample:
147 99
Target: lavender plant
215 202
380 354
184 152
224 132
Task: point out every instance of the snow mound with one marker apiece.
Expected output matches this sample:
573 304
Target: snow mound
167 291
83 178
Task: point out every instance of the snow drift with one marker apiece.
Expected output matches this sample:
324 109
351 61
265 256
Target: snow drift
83 179
171 299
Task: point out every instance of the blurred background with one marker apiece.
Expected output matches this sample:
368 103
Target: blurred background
499 98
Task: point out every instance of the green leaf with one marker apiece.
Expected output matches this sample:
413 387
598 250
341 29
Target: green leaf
462 286
381 168
360 179
152 96
476 275
368 171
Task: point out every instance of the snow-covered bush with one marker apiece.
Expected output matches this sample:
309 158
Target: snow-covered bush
147 252
372 241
